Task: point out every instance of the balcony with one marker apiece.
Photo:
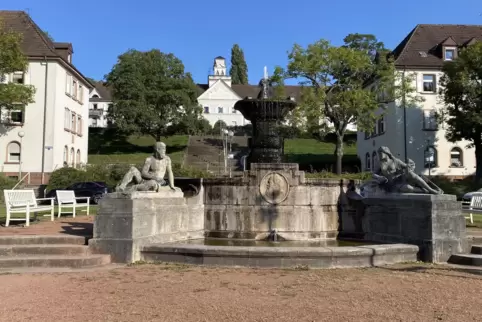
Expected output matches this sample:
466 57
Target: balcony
96 113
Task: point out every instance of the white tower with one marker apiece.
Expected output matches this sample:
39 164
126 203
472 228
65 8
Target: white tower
219 72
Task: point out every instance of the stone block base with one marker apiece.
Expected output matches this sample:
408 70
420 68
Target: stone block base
126 222
433 222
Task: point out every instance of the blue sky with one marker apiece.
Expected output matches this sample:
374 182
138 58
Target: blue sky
197 31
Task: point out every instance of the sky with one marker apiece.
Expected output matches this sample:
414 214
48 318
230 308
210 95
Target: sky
198 31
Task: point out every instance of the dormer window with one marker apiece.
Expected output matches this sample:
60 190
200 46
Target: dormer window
449 54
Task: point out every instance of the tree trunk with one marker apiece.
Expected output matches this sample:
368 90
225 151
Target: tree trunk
339 153
478 163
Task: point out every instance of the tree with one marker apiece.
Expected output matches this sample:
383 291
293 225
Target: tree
461 92
239 68
150 92
13 96
49 36
346 84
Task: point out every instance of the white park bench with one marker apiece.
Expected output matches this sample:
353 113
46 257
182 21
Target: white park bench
475 206
67 199
25 202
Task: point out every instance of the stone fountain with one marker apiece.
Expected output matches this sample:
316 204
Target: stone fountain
291 220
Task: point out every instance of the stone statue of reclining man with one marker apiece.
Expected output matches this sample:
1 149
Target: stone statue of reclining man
396 176
151 178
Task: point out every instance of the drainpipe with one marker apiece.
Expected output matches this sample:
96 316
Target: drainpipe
44 119
404 116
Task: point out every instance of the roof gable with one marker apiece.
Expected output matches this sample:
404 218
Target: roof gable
219 90
421 47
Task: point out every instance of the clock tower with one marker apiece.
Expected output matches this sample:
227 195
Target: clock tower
219 72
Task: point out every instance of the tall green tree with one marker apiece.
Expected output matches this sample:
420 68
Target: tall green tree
151 92
461 92
239 68
346 84
13 96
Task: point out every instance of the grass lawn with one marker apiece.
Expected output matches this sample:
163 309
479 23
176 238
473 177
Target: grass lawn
313 151
477 221
135 149
65 212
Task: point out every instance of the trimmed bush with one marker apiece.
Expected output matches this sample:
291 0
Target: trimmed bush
330 175
5 184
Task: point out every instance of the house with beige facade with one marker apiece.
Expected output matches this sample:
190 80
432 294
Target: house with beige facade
53 130
414 132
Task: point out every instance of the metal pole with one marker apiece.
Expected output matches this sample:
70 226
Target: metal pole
20 161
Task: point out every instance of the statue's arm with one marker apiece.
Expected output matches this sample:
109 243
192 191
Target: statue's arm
146 173
170 174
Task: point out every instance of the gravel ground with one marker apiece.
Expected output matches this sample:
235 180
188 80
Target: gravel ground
80 225
187 293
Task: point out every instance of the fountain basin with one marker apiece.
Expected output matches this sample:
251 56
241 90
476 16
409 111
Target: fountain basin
280 257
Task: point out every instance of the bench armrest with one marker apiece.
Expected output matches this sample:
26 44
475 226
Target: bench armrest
82 198
45 198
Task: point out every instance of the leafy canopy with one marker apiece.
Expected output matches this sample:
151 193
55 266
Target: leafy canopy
461 92
12 59
345 84
151 91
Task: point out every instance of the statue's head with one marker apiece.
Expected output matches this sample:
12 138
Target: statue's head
159 150
384 154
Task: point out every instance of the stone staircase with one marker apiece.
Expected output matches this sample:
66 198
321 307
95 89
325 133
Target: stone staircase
472 259
43 253
206 153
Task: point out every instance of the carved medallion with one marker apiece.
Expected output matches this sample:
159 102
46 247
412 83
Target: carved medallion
274 188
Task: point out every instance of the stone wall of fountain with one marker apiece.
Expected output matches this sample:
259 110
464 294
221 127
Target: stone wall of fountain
272 199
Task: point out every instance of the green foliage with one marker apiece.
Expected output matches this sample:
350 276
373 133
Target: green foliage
12 59
344 84
218 126
461 92
110 174
6 183
458 188
348 176
191 124
239 68
148 91
49 36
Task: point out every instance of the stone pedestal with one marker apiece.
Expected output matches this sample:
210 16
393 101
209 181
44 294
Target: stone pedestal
433 222
126 222
272 198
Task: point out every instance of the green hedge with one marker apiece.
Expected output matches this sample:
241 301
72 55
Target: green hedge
110 174
330 175
5 184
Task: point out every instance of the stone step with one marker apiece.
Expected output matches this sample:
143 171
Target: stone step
466 259
42 240
476 249
54 261
59 249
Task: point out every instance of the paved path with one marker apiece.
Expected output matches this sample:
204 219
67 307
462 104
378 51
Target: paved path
79 226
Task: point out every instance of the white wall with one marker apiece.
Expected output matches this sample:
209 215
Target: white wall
417 138
56 137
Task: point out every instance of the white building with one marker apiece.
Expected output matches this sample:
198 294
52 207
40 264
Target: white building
99 101
51 131
413 133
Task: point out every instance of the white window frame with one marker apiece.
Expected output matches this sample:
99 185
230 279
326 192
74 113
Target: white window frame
9 160
433 81
449 49
68 85
431 116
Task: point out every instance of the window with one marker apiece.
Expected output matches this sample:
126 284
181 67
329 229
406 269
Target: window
430 120
13 150
67 119
78 158
95 106
206 109
16 116
94 122
375 160
81 94
367 162
234 111
429 83
18 78
220 110
68 85
381 125
456 160
74 88
79 124
66 155
73 128
72 156
69 58
430 157
449 54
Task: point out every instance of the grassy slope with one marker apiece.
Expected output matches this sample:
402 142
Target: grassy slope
310 150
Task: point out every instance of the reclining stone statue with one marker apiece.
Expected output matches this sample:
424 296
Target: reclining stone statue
396 176
151 178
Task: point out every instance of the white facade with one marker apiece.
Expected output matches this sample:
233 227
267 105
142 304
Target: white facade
98 110
219 99
425 140
54 127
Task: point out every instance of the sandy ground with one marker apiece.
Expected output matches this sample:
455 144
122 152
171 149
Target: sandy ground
80 225
188 293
